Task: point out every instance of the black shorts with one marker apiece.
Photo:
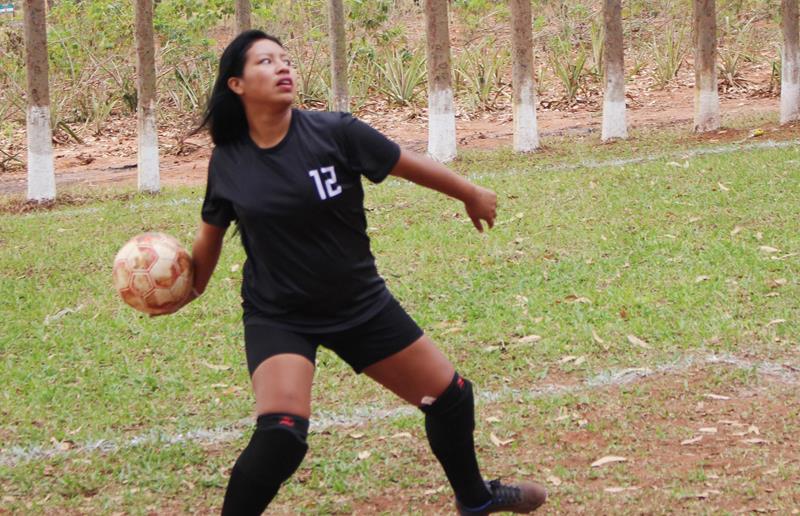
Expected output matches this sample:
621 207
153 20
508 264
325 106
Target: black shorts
379 337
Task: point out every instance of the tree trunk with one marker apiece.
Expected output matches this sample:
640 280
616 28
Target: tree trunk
526 134
614 125
243 10
441 116
706 98
341 98
146 90
790 63
41 170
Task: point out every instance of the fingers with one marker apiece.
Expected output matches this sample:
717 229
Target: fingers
477 223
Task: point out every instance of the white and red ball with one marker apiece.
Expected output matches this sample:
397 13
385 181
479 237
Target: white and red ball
153 273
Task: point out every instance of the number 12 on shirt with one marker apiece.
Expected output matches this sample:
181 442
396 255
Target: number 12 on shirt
328 175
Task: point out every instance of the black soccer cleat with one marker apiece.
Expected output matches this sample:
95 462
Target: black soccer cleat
523 497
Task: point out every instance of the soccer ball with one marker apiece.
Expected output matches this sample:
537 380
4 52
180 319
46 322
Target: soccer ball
153 273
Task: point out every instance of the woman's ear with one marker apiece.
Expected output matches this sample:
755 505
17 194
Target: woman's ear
235 85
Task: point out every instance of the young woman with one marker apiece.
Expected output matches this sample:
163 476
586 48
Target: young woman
291 180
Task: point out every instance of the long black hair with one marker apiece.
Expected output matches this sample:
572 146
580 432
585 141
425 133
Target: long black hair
224 114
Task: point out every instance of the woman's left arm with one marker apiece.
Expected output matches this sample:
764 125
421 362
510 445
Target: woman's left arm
480 203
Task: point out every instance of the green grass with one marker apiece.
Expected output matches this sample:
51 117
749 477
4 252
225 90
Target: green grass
644 250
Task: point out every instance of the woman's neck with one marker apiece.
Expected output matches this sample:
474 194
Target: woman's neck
268 128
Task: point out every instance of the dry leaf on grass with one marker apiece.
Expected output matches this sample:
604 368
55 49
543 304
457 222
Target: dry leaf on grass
693 440
775 321
215 367
708 430
755 440
357 435
530 339
767 249
614 490
736 230
636 341
492 419
712 396
499 442
608 459
364 455
700 279
402 435
554 480
596 337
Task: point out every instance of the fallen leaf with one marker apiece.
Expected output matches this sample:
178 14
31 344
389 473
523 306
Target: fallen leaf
572 298
636 341
716 397
492 419
777 283
357 435
775 321
608 459
723 187
580 360
614 490
693 440
234 267
364 455
596 337
768 249
433 491
530 339
566 359
755 440
554 480
215 367
700 279
736 230
499 442
708 430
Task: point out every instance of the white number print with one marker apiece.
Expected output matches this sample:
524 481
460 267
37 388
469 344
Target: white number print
331 188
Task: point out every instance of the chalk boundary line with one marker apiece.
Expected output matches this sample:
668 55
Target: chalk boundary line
323 420
684 154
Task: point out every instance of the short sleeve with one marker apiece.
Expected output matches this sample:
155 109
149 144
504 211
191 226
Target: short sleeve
369 152
216 210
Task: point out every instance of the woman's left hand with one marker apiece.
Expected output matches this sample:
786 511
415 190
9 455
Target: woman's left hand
482 205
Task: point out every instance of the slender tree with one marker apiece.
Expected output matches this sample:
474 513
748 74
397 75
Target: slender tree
41 170
526 134
790 63
614 125
146 89
706 98
341 98
243 13
441 115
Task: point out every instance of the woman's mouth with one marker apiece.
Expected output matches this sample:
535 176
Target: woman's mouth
285 84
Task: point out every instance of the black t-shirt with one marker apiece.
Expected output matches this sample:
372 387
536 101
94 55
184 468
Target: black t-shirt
300 211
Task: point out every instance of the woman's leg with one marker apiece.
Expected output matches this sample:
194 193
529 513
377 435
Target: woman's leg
424 377
282 386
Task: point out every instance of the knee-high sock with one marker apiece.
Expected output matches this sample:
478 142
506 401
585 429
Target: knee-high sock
449 424
274 453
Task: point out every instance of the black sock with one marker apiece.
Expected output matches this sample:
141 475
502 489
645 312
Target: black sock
449 423
274 453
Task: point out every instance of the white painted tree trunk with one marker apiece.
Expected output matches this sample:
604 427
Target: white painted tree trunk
614 123
706 98
526 132
149 178
41 169
338 45
790 63
441 115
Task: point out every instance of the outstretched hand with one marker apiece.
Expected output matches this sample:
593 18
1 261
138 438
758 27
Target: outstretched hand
482 206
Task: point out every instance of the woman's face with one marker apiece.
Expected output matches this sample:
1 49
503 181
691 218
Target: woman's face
268 76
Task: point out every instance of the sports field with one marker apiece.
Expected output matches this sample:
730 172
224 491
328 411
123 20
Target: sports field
638 301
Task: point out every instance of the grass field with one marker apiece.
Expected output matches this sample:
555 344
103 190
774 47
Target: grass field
591 271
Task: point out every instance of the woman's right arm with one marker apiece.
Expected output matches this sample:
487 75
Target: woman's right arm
205 253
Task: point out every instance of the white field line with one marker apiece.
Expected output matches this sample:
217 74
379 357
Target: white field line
687 154
322 420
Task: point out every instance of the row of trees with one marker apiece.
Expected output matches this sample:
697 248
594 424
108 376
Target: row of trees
441 115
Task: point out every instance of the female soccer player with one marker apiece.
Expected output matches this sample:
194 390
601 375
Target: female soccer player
291 181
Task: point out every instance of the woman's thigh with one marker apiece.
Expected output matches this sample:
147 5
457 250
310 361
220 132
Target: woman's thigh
418 371
282 384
